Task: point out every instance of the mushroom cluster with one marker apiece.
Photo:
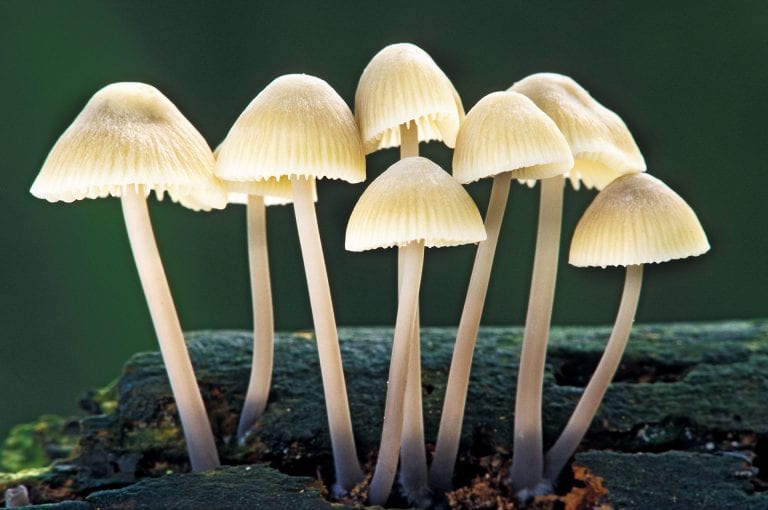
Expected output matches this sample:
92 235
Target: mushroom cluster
130 140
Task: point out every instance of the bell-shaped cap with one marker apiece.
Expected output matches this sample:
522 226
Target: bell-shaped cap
275 191
636 219
298 126
130 135
414 200
507 132
401 84
602 146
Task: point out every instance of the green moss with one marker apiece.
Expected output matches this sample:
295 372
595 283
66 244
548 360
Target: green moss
36 444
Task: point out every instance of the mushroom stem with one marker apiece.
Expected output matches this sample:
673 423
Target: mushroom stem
386 464
413 456
348 472
441 472
579 422
527 465
263 321
194 420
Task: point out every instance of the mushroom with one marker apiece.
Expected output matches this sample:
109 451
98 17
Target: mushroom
635 220
504 136
412 205
257 195
603 149
403 98
128 141
298 128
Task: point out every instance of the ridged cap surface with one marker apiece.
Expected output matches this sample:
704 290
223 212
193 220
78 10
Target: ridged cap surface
297 126
129 135
636 219
507 132
274 191
602 146
414 200
400 84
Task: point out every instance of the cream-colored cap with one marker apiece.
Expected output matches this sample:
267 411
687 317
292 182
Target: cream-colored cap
636 219
297 126
400 84
414 200
507 132
602 146
274 191
130 135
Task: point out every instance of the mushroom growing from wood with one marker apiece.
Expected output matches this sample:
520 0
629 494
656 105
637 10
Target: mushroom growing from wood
635 220
257 195
298 128
504 136
403 98
603 149
412 205
128 141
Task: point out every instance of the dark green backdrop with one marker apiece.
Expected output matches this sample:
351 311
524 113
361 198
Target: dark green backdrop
689 78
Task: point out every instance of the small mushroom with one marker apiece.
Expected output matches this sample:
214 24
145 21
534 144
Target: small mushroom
635 220
128 141
299 129
403 98
504 136
603 149
257 195
412 205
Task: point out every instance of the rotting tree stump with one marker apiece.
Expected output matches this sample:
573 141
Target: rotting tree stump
691 397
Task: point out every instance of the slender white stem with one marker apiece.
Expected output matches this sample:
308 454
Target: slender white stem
194 420
263 321
413 455
528 458
585 410
441 471
348 472
391 433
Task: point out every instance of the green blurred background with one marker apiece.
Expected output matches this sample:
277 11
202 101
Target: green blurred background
687 77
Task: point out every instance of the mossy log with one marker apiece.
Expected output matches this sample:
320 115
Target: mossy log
679 386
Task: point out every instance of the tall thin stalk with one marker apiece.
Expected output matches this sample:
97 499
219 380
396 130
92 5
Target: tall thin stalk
201 445
528 462
578 424
441 471
348 472
263 320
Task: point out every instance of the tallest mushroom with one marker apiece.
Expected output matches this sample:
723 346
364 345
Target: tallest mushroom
298 128
128 141
603 149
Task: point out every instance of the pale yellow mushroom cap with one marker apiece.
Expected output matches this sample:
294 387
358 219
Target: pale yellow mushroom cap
297 126
602 146
636 219
507 132
414 200
130 135
400 84
274 191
